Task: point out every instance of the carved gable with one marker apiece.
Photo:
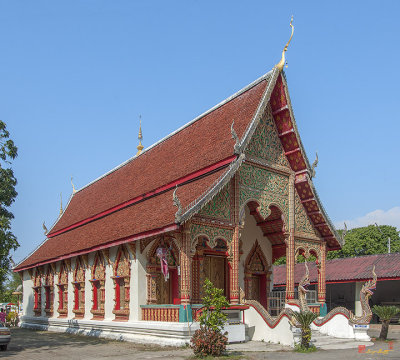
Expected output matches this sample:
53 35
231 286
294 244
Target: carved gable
302 221
265 142
218 207
266 187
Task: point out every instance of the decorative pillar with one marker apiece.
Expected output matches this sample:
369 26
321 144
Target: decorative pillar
234 268
234 296
289 240
197 276
321 273
185 265
151 285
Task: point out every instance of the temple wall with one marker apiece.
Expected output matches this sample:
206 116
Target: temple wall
138 285
28 298
109 289
71 290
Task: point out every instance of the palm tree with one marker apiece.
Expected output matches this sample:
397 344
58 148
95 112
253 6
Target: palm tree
305 319
385 314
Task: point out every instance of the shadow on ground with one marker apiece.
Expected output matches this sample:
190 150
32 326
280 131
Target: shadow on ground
28 339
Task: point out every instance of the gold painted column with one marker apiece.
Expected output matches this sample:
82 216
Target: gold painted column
185 265
289 240
234 268
151 286
322 273
234 246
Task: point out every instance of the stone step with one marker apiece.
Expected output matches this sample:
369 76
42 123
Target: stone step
326 342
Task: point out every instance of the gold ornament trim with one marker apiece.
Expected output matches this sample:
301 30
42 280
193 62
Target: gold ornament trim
281 63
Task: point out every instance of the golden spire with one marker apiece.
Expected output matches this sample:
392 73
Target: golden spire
140 137
61 209
73 187
281 63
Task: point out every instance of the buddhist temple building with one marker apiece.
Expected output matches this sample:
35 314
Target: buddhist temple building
220 198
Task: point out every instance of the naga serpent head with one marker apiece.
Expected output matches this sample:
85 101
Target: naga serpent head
305 281
370 284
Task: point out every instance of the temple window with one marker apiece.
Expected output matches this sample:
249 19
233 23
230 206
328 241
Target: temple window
49 291
63 290
79 289
122 273
98 286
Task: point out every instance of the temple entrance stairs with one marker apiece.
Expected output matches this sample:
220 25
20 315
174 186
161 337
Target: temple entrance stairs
326 342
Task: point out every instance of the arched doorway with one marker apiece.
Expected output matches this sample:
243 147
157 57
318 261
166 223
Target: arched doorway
162 289
257 276
257 230
210 262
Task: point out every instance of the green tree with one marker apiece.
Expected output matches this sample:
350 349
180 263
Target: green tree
385 314
214 301
209 340
368 240
8 242
305 319
11 284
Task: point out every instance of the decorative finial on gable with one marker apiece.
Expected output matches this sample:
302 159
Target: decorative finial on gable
45 228
236 148
61 208
177 203
314 165
140 137
344 233
73 187
281 63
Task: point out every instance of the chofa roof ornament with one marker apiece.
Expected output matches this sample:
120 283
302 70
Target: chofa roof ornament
236 138
281 63
177 203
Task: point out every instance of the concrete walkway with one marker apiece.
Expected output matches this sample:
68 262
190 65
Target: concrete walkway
42 345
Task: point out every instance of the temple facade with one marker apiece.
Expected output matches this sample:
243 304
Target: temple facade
221 198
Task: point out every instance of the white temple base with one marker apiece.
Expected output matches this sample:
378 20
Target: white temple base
149 332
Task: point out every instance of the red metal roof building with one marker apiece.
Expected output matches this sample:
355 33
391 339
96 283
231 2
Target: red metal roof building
345 277
387 267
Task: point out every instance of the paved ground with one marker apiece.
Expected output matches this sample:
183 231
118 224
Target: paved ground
38 345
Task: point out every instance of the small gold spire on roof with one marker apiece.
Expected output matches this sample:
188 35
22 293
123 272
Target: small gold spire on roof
61 208
140 137
73 187
281 63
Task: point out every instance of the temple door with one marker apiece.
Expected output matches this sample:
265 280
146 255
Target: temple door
255 288
164 290
215 269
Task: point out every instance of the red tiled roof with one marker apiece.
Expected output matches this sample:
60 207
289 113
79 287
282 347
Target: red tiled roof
154 213
198 146
201 144
345 270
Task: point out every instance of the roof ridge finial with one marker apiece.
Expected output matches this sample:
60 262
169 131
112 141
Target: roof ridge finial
281 63
140 137
73 187
61 208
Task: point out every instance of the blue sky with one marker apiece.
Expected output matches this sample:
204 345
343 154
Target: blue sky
75 75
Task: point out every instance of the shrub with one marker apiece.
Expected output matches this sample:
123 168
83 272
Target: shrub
305 318
12 318
302 349
209 340
385 314
213 302
206 342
